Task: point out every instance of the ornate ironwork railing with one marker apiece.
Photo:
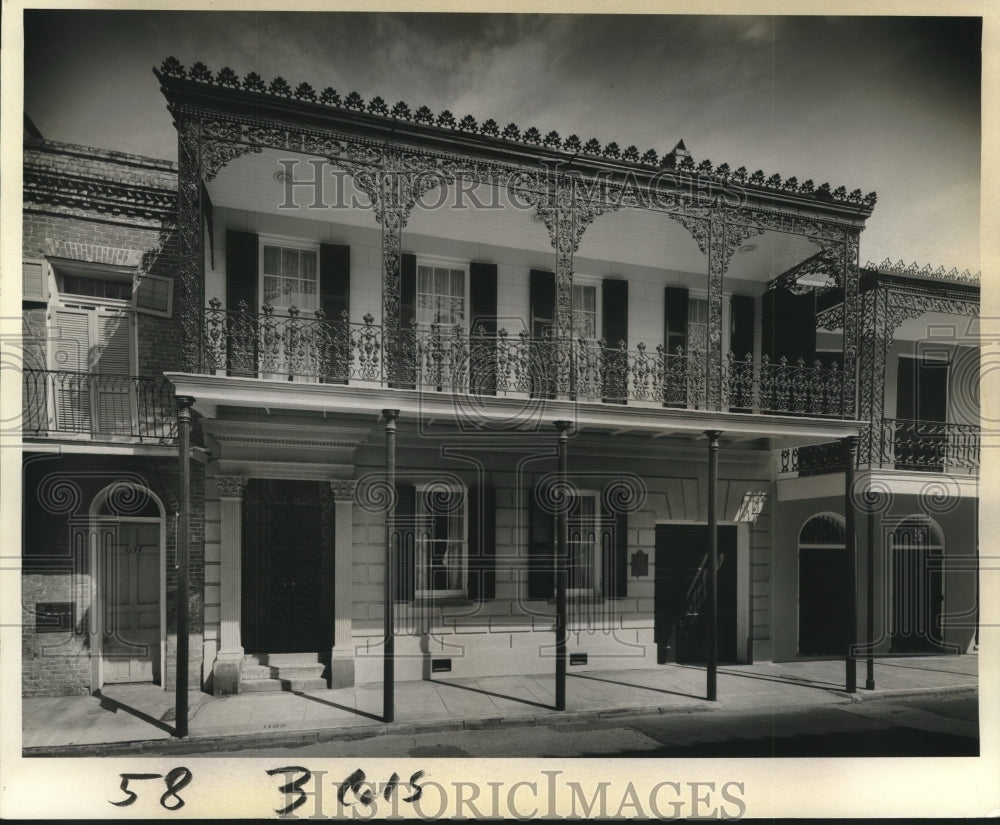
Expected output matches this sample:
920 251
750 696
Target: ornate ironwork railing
896 444
120 406
297 347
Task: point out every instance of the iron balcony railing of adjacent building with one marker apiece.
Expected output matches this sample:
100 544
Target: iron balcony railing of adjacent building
896 444
112 407
444 358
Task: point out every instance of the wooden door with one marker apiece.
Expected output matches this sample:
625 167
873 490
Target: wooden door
287 567
131 634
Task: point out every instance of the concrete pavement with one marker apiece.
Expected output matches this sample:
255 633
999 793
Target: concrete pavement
134 718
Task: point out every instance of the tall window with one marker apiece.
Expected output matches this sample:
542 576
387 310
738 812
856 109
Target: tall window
290 277
442 541
697 324
441 294
586 321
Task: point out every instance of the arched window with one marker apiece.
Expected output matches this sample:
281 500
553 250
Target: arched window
823 586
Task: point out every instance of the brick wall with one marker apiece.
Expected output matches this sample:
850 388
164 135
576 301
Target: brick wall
120 233
58 493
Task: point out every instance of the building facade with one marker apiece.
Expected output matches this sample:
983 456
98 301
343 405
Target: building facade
526 371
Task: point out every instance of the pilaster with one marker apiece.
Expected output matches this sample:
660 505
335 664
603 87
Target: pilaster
226 673
342 654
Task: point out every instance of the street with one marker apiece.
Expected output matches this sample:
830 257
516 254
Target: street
914 726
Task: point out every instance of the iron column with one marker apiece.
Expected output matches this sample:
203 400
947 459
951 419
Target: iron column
850 444
184 403
389 651
713 564
562 542
870 600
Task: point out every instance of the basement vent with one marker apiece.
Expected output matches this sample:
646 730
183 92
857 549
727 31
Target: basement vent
578 658
53 617
440 665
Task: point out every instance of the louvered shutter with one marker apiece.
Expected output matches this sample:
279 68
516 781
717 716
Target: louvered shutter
482 543
404 541
335 298
483 301
155 295
71 348
741 326
541 549
675 339
614 303
242 305
542 356
34 281
404 361
114 369
614 555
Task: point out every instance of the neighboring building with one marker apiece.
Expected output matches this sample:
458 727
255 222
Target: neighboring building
484 283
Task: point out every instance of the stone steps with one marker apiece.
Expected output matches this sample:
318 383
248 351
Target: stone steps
281 671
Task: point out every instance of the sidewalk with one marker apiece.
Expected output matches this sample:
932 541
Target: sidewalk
131 718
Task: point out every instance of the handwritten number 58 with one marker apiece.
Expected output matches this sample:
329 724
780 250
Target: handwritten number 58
176 780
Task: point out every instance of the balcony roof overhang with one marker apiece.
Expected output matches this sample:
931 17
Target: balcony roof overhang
498 414
260 107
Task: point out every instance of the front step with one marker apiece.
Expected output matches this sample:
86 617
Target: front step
281 671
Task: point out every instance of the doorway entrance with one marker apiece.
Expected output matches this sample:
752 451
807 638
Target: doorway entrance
287 567
130 563
680 628
917 592
921 407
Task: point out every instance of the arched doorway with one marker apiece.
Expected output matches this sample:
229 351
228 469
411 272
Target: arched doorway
917 595
824 579
129 580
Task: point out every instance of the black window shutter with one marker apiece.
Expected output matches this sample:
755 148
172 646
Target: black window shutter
483 315
675 318
335 280
335 298
615 555
741 308
614 320
404 366
543 316
789 325
541 550
482 543
675 323
242 273
404 543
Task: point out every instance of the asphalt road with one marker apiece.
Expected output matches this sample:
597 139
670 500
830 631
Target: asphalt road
915 726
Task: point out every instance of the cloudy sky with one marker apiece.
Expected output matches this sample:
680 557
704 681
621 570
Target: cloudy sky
884 104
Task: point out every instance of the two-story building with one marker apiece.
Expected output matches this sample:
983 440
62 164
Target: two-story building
527 370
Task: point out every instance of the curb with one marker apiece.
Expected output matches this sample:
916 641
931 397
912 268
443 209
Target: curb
289 739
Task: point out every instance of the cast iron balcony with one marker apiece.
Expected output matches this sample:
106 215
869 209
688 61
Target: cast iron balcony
103 407
897 444
444 358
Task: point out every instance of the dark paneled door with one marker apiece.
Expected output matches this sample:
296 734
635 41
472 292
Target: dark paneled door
287 567
681 596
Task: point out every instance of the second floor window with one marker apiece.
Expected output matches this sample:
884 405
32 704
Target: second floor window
441 294
586 319
290 277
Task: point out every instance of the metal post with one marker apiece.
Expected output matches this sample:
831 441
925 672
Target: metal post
713 565
184 404
389 651
870 602
850 444
562 545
